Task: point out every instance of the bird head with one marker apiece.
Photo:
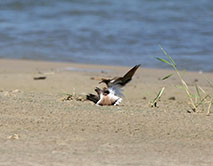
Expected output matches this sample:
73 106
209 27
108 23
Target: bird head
105 91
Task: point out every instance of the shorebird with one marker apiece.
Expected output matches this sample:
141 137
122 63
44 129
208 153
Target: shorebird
105 97
115 84
111 95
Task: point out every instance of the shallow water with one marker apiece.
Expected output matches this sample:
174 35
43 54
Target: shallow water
109 32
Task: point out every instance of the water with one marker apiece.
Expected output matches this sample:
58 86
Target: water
118 32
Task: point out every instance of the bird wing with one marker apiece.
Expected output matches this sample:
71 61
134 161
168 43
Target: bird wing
128 76
120 81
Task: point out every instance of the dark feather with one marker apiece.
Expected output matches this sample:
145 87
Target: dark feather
128 76
122 81
98 91
92 98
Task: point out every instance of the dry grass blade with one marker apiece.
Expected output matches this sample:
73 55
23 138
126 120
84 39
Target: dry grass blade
202 90
14 137
202 100
157 98
209 107
186 88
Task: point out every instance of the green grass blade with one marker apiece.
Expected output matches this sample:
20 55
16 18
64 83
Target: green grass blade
159 94
180 87
210 84
183 73
170 58
164 51
173 62
157 98
163 60
166 77
198 92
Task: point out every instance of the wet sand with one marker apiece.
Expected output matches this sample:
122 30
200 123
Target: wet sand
38 126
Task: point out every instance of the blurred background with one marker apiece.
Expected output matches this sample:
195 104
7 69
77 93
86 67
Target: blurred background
116 32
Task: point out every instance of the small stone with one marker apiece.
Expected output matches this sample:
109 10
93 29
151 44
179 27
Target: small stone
172 98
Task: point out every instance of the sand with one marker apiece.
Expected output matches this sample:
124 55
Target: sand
38 126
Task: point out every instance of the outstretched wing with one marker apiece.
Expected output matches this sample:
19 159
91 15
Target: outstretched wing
122 81
128 76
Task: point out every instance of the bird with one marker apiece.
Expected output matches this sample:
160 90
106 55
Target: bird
104 97
112 94
115 84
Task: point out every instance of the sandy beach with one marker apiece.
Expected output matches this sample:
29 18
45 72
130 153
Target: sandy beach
39 125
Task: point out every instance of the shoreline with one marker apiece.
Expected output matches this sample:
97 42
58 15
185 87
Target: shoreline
95 64
39 127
